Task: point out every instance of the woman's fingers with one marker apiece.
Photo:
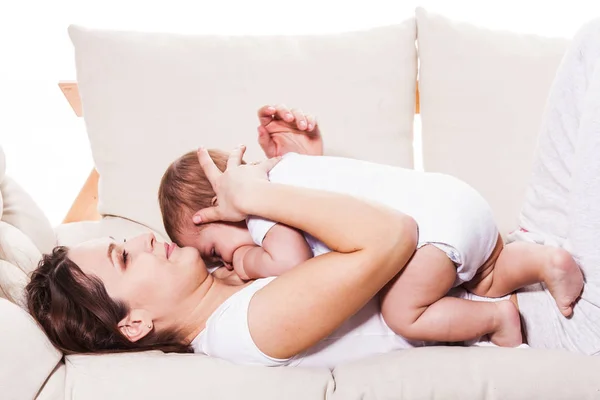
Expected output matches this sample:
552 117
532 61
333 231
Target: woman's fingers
303 122
266 142
206 215
265 114
300 118
235 157
312 122
208 166
284 113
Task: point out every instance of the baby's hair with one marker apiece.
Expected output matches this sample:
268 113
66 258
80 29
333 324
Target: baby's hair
185 189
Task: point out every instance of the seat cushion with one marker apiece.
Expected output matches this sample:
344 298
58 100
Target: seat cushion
150 97
470 374
54 388
188 376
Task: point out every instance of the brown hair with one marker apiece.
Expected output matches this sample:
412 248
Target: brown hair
79 316
185 189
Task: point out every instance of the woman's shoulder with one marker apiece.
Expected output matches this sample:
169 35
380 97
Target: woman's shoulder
240 300
227 335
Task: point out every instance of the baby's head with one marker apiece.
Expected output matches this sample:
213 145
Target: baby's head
185 189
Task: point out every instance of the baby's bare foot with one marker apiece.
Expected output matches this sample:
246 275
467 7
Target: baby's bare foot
564 279
508 332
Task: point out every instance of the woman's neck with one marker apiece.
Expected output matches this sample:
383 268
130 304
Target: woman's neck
210 295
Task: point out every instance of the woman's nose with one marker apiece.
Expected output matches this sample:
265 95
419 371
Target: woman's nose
150 241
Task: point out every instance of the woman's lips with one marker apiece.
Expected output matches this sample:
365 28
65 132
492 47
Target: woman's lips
169 248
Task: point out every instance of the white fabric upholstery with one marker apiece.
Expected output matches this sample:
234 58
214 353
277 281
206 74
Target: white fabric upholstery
470 373
148 98
24 232
27 355
21 211
12 282
482 96
153 375
54 388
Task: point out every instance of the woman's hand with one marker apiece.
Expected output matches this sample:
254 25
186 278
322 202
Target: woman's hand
284 130
231 187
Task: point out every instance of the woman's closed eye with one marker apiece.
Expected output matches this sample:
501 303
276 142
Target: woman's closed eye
124 256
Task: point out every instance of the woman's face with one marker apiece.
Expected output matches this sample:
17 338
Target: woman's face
144 273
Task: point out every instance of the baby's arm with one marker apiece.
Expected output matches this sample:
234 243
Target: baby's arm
282 249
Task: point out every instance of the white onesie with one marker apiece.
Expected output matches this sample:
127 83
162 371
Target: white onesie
449 213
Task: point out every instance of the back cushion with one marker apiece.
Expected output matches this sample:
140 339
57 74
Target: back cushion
149 97
482 96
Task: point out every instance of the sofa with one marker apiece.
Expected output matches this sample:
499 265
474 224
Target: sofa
149 97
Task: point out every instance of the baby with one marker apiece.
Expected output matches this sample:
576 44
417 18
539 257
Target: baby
458 244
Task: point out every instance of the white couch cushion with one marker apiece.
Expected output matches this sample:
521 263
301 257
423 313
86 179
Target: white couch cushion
12 282
18 258
148 98
482 96
17 249
153 375
21 211
27 356
25 232
54 388
470 374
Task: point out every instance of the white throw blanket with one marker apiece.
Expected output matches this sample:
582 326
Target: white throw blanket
562 205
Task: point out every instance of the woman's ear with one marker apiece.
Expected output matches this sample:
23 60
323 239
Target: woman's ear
136 325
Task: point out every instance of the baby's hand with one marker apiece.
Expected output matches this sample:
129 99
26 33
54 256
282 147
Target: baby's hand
284 130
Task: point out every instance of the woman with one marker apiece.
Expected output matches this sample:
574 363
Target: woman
167 296
166 299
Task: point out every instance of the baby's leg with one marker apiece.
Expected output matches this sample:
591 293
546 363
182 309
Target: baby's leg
520 264
413 305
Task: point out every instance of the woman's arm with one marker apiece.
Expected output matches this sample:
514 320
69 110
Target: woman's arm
370 245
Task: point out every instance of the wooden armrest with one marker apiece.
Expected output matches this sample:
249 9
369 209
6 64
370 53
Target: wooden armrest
71 92
85 206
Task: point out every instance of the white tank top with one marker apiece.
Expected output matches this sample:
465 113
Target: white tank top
227 336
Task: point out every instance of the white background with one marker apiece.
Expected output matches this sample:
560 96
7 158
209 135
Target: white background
46 145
